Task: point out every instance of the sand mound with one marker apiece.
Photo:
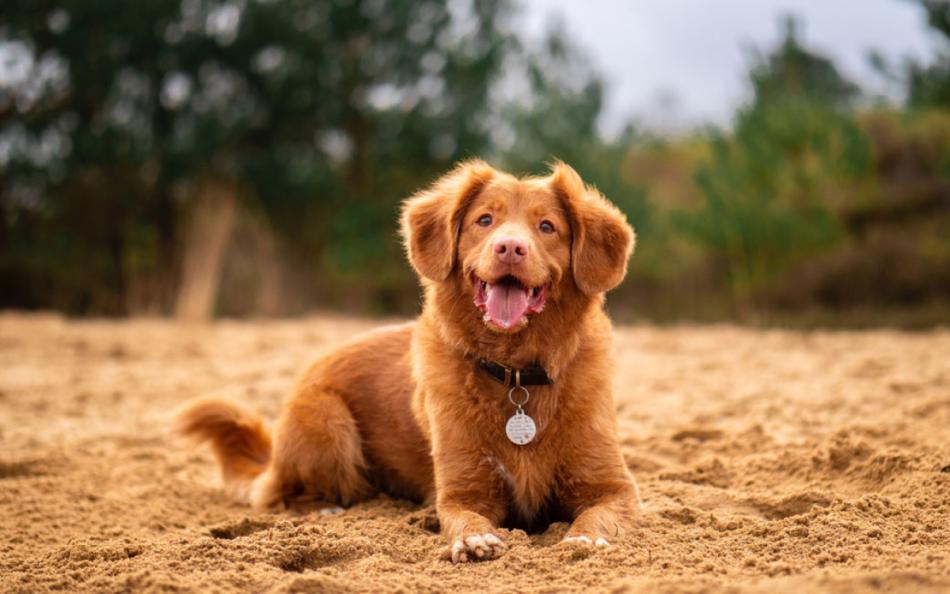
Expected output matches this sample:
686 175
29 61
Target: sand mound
769 462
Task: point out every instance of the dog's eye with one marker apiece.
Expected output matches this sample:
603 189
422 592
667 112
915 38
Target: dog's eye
546 227
484 220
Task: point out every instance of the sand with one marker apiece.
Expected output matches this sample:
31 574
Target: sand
769 461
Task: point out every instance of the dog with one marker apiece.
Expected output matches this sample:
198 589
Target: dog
495 404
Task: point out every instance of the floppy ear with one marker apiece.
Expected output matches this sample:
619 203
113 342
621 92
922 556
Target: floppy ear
602 240
431 218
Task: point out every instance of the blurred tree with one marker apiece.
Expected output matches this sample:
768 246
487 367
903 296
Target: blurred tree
557 99
796 152
553 104
925 85
149 149
321 116
929 84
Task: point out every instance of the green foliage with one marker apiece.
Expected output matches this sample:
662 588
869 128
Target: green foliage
772 188
324 114
926 85
555 117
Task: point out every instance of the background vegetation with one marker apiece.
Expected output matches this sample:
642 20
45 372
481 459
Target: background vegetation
248 157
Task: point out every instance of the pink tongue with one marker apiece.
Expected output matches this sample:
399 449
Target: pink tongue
506 304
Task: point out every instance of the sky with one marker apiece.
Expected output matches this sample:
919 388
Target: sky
675 64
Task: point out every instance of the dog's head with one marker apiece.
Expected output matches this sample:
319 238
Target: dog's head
516 244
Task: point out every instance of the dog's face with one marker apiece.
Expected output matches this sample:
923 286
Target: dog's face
516 245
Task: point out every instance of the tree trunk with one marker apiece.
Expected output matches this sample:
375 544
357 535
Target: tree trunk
270 297
206 240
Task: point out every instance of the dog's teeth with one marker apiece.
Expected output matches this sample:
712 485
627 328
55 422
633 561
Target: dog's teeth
486 318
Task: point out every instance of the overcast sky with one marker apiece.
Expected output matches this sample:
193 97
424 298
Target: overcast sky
678 63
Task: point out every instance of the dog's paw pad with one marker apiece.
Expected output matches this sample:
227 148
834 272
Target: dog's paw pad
477 547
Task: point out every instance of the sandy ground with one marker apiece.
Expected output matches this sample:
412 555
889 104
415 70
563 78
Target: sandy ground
769 461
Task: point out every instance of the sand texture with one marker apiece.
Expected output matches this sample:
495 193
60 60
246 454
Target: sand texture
769 461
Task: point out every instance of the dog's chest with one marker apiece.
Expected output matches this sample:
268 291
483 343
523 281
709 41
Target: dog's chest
529 471
530 480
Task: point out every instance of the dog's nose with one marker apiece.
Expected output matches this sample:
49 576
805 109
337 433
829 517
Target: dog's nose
511 250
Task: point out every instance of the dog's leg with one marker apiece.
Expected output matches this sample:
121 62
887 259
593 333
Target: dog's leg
606 519
604 498
317 454
471 501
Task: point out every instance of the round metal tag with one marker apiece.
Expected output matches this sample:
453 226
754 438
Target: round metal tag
520 428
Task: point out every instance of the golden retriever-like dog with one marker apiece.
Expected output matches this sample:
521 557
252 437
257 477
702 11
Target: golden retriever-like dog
495 403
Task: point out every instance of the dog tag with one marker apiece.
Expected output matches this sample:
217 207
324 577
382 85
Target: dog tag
520 428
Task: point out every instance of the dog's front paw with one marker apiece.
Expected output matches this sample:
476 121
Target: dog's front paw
599 541
477 547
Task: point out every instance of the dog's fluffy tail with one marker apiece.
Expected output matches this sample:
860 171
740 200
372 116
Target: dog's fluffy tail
239 439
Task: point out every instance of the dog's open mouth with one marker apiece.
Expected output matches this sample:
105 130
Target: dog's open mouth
507 302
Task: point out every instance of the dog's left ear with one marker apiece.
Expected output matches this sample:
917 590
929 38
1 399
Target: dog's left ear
602 239
431 218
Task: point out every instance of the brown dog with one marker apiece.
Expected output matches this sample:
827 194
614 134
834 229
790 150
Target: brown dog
496 403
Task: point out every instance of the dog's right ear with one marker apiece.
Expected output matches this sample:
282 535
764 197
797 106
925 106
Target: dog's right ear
431 218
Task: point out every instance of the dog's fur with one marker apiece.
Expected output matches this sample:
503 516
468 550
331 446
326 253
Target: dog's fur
406 410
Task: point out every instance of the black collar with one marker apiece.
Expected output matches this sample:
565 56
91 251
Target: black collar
534 375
